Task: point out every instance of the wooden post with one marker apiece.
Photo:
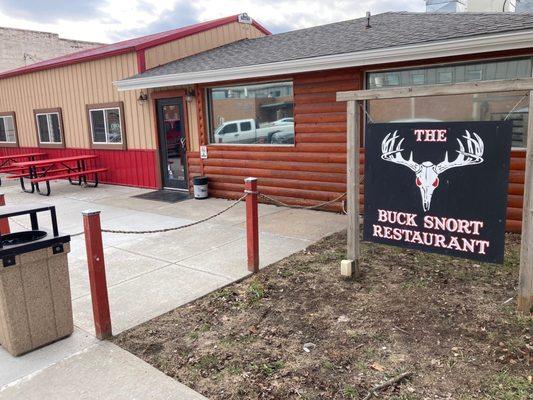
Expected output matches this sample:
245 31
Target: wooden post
97 278
4 222
351 267
525 281
252 225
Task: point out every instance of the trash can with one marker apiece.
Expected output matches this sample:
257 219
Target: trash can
200 187
35 303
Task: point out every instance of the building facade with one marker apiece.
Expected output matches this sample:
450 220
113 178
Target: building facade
227 100
21 47
69 106
273 114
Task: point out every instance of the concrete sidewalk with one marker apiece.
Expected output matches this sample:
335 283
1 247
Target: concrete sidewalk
149 275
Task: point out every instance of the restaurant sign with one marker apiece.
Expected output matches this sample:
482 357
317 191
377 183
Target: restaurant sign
438 187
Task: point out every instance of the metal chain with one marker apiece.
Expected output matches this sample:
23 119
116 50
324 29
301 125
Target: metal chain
279 202
264 196
175 228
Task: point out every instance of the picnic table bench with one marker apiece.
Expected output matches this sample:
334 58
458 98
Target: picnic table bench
71 168
6 162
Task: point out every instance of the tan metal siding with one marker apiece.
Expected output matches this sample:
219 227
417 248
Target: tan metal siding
194 130
199 42
71 88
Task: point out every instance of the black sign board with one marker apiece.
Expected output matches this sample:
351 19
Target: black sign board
438 186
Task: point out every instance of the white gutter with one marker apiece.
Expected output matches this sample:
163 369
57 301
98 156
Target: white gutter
445 48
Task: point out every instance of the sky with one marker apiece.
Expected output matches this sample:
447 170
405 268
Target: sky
110 21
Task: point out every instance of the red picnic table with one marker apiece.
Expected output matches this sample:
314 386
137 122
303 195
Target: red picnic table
6 162
37 171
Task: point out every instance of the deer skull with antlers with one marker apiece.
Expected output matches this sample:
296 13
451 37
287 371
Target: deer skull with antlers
427 173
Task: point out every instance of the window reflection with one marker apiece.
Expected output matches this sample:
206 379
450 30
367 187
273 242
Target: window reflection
252 114
472 107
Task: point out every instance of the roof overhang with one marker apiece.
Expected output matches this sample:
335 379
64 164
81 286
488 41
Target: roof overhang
421 51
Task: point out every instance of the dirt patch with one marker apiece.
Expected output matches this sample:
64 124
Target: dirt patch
297 330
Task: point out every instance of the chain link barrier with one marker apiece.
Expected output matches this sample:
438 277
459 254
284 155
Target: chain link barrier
269 199
280 203
175 228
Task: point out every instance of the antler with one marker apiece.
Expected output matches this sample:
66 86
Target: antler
390 151
473 156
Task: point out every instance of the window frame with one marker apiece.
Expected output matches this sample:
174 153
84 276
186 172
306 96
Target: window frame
102 107
46 111
383 70
16 142
207 109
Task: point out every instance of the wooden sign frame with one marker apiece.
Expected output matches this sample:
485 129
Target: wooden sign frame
354 99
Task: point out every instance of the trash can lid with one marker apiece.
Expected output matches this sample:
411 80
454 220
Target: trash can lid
200 180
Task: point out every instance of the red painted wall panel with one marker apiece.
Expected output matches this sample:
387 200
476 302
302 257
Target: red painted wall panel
125 167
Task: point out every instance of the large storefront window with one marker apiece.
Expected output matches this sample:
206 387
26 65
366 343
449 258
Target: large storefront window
251 114
475 107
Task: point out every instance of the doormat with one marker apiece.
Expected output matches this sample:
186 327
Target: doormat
167 196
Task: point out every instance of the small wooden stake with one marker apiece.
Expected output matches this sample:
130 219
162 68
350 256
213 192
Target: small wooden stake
352 183
525 281
252 225
4 222
97 278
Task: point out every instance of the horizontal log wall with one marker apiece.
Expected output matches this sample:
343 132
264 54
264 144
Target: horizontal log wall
314 170
310 172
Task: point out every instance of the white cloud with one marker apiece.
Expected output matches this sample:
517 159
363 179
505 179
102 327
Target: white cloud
122 19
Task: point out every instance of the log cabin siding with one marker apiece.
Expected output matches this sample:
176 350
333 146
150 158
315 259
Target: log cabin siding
308 173
314 169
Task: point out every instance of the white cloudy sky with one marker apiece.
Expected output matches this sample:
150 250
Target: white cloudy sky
113 20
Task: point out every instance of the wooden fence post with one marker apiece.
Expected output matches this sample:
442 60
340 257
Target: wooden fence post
252 225
525 281
351 267
4 222
97 278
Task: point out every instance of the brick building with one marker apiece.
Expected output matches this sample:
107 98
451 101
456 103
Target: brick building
20 47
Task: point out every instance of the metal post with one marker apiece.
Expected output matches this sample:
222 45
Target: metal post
4 222
252 225
97 278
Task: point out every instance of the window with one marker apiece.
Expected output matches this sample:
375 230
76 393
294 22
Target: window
392 79
49 127
418 77
479 107
106 125
8 132
259 114
445 75
229 128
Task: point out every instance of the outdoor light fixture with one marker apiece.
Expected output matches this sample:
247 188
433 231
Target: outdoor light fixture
189 95
143 98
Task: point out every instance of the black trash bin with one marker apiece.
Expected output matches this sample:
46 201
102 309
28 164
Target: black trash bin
200 187
35 303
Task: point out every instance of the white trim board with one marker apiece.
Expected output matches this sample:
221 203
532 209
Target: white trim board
420 51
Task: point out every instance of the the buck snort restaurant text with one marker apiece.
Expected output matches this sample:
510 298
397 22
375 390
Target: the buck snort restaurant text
442 232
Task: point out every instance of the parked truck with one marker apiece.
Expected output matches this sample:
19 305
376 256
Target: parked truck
248 131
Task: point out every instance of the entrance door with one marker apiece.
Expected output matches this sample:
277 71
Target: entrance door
172 145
